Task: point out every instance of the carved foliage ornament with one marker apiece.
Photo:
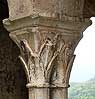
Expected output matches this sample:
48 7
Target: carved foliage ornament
39 65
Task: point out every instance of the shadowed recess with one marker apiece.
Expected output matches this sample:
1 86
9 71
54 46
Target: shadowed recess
4 11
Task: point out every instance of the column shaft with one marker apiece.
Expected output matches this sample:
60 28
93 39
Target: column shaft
59 93
39 93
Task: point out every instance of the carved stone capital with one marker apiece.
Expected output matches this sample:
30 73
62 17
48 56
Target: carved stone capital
47 51
38 55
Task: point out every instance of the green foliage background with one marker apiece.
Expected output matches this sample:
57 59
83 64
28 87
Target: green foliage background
85 90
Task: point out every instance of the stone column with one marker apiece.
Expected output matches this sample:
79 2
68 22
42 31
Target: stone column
47 53
39 93
47 33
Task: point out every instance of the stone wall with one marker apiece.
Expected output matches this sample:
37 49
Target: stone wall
12 76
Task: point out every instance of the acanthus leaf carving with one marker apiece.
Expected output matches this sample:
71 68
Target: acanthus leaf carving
38 66
69 68
64 64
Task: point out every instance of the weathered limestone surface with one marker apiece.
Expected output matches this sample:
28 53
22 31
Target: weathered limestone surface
47 33
39 93
59 93
47 53
51 8
57 9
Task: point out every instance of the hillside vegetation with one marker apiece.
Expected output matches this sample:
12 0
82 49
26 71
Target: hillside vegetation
85 90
